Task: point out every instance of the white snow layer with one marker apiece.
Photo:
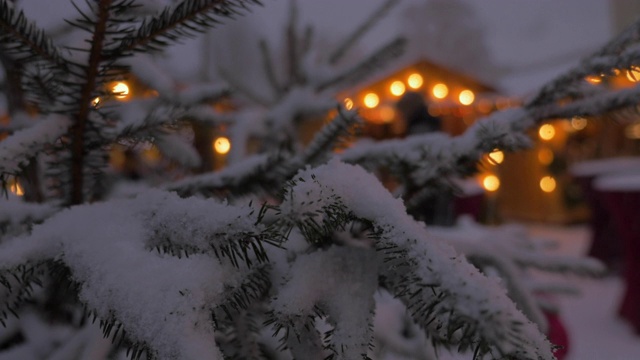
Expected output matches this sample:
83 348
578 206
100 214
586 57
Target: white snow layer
160 300
472 293
18 148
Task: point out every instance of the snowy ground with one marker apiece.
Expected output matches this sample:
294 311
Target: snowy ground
595 330
596 333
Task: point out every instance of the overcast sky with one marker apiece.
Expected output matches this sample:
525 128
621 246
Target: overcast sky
535 39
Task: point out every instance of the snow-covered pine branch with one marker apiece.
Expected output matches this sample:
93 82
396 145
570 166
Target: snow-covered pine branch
111 253
266 172
448 297
21 146
509 251
437 157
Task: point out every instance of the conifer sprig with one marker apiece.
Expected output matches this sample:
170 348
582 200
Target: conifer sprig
25 41
177 22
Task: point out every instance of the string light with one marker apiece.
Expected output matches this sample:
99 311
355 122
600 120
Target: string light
548 184
415 81
547 132
440 91
496 156
578 123
348 103
633 74
16 189
120 90
95 102
466 97
491 183
397 88
371 100
222 145
593 79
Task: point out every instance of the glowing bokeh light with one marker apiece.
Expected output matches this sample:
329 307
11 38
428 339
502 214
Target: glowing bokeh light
397 88
578 123
16 189
593 79
547 132
633 74
491 183
548 184
440 91
371 100
415 81
496 156
348 103
222 145
466 97
120 90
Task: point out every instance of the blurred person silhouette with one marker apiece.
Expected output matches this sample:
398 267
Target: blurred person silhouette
415 113
436 209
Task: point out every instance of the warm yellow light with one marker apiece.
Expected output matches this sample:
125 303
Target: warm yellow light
578 123
415 81
120 90
16 189
95 102
545 156
397 88
633 74
222 145
371 100
496 156
387 114
466 97
440 91
548 184
547 132
151 155
593 79
491 183
348 103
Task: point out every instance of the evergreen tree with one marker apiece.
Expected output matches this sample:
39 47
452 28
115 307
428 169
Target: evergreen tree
277 256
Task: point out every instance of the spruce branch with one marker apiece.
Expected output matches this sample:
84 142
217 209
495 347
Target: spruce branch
592 65
81 118
266 173
24 41
293 50
380 58
18 149
241 335
594 105
436 284
185 19
370 21
16 286
269 68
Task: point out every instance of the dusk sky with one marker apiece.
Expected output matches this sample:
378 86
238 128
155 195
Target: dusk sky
533 40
